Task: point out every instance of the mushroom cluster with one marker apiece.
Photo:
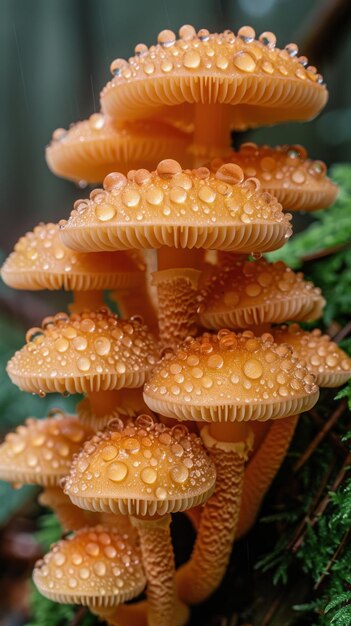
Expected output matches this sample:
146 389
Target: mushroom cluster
192 395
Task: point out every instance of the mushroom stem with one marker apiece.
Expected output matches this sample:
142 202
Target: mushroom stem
262 469
124 615
158 559
134 302
203 573
104 402
211 132
70 516
177 284
82 300
177 304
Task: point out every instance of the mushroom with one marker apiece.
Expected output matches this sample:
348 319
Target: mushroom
179 209
233 81
148 471
40 453
97 567
41 261
91 149
94 353
331 367
252 293
297 182
226 380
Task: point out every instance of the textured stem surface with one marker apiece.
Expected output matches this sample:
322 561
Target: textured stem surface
177 304
203 573
263 468
158 560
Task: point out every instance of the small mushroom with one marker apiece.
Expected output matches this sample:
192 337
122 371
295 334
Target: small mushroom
226 380
298 183
40 453
41 261
95 353
330 364
91 149
148 471
215 81
251 293
97 567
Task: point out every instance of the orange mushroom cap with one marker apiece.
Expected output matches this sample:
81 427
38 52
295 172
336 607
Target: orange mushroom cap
258 292
91 149
230 377
129 405
266 84
179 208
93 351
296 181
41 451
143 469
330 365
95 567
41 261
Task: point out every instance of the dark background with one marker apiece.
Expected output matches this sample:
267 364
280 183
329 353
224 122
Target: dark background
55 57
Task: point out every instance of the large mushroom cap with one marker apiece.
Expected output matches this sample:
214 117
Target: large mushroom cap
179 208
92 351
41 261
229 377
95 567
266 84
296 181
143 469
91 149
41 451
257 292
330 365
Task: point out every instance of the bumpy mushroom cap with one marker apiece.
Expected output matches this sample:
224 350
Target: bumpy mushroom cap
179 208
41 261
96 567
142 469
91 149
93 351
258 292
266 84
41 451
330 365
297 182
229 377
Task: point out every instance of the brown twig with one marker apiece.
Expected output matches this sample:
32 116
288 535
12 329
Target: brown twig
273 608
335 556
341 334
79 615
320 436
333 438
307 518
324 502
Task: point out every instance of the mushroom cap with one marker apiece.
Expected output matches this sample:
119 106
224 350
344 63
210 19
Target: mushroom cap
41 261
257 292
179 208
266 84
78 353
91 149
41 451
298 183
324 359
95 567
230 377
143 469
